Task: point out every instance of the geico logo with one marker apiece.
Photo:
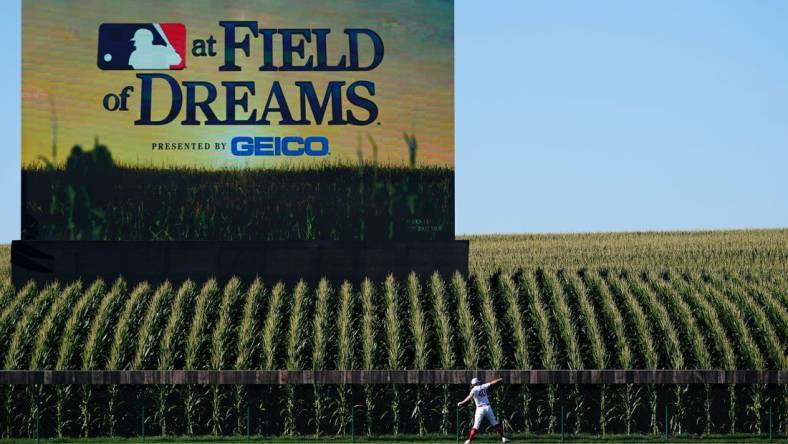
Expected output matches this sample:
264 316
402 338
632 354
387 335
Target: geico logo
279 146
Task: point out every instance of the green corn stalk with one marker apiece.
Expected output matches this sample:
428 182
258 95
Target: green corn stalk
777 285
465 321
6 293
394 347
45 349
548 359
575 289
760 325
94 352
668 338
73 334
345 345
170 350
733 319
495 356
296 342
769 320
10 314
644 337
195 350
589 326
723 345
271 327
777 314
770 292
368 345
492 333
688 303
708 314
247 346
443 331
20 345
320 338
642 333
765 322
149 336
221 345
517 328
692 338
418 331
268 342
588 319
563 316
119 353
629 397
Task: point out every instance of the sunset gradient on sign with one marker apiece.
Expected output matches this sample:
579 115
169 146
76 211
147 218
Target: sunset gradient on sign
63 89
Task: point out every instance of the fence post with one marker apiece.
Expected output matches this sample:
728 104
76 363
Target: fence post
666 419
457 423
248 420
353 423
38 427
770 419
562 422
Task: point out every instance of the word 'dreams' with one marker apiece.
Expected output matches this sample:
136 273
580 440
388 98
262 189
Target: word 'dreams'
245 104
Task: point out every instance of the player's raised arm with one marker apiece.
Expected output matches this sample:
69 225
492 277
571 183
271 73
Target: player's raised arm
467 398
495 381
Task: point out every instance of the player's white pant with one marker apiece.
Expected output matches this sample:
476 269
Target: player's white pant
482 412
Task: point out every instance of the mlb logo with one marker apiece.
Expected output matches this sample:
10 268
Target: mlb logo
141 46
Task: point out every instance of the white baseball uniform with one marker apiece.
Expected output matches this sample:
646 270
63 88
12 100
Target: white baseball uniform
483 408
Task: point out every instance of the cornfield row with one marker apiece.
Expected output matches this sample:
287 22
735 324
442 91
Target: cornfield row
754 251
5 263
528 318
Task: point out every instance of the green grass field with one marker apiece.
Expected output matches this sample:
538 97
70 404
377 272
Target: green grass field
623 300
488 438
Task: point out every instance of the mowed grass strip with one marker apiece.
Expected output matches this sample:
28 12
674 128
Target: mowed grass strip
432 438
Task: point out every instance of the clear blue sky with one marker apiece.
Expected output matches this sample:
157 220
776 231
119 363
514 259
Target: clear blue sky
588 116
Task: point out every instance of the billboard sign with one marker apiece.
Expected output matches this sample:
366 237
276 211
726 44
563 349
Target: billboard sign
238 120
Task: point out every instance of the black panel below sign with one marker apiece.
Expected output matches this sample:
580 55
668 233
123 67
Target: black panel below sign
176 261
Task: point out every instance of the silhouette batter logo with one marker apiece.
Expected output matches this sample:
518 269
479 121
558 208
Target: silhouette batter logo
135 46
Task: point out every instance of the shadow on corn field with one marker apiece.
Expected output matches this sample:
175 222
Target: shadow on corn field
93 198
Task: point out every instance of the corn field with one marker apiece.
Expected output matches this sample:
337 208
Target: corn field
756 251
658 313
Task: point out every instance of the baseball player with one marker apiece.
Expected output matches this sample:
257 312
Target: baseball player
483 408
146 55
